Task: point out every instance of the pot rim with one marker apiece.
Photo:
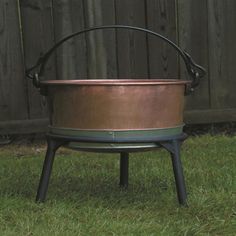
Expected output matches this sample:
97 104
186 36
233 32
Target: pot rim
112 82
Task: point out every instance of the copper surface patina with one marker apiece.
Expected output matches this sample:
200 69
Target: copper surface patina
116 104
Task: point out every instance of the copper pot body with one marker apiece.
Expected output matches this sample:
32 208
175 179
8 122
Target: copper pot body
116 104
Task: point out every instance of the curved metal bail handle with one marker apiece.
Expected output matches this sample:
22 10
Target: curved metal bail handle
194 70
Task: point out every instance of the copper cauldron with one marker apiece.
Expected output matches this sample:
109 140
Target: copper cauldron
121 113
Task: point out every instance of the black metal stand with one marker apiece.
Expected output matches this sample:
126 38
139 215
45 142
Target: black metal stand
53 145
172 145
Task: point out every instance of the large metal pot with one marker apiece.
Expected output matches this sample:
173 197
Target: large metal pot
123 112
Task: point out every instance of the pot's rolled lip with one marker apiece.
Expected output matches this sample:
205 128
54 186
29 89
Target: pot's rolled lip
112 82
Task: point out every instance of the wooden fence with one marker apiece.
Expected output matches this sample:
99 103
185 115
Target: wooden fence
204 28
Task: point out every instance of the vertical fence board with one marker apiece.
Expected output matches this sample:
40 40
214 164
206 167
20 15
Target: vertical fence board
13 93
71 56
96 50
37 28
161 18
132 45
108 18
192 28
101 53
222 51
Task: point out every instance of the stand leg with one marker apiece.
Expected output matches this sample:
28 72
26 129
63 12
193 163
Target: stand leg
124 169
53 145
178 173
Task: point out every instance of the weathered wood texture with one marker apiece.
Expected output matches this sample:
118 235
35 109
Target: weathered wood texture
161 18
222 51
68 17
209 116
192 33
13 91
37 31
24 126
101 44
28 28
131 45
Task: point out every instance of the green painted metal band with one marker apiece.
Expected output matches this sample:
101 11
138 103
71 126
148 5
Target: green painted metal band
117 134
111 135
111 146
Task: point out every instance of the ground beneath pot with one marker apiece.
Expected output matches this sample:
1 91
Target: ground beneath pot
84 197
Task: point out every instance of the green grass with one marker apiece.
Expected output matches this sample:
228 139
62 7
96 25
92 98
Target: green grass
84 197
